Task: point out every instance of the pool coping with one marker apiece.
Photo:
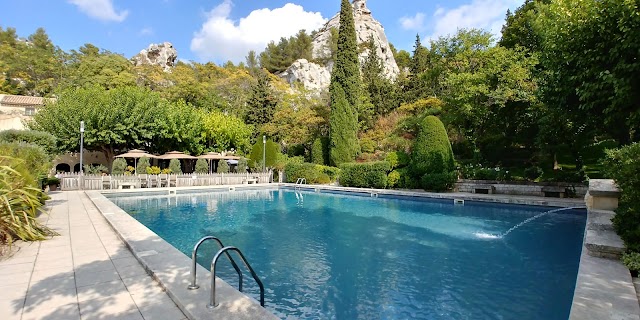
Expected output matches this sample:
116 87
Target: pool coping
234 302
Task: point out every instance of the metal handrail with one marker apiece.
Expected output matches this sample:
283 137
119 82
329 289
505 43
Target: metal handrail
301 181
194 253
212 302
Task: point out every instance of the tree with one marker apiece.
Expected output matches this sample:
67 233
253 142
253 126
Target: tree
119 166
223 167
345 91
222 132
242 165
431 150
202 166
278 57
379 90
589 54
262 102
94 67
316 152
518 29
271 155
175 166
42 139
252 62
143 164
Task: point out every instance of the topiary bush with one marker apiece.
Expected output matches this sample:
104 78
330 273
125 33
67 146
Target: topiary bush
242 165
223 167
438 181
143 164
202 166
271 155
119 166
175 167
623 165
364 175
432 150
317 155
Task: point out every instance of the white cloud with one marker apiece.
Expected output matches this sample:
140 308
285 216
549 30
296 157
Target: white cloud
483 14
222 39
147 31
413 23
100 9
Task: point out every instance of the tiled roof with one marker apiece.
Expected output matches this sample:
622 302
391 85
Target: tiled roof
22 100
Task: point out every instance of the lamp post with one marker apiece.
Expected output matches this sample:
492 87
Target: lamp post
264 153
81 146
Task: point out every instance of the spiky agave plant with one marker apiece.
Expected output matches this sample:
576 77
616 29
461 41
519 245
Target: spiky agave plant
20 203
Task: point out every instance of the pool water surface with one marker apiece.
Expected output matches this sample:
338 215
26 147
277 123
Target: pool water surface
342 256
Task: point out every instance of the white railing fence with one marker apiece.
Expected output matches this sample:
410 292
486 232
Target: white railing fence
73 181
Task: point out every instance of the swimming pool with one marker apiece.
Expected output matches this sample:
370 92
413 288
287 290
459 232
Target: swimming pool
344 256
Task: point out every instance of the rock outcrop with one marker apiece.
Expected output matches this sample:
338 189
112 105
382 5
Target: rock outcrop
366 27
163 55
313 76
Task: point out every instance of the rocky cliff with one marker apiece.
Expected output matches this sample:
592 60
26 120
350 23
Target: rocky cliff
163 55
313 76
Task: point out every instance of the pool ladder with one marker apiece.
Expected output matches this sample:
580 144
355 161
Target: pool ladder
223 250
300 182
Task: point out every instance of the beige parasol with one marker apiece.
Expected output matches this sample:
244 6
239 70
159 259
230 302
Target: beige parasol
136 154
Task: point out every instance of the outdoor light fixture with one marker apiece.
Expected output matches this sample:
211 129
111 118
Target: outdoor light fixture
81 145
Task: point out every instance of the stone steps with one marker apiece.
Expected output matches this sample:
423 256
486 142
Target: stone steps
601 240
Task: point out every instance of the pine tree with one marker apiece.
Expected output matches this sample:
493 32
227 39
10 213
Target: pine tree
262 103
379 89
345 91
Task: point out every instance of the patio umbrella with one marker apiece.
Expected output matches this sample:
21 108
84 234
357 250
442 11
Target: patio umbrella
175 155
135 154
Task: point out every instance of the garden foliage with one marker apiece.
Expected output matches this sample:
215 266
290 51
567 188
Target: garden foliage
143 164
175 166
271 155
119 166
223 167
313 173
365 175
202 166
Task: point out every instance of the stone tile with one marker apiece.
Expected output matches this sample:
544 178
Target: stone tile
131 271
53 262
50 299
16 268
11 309
12 292
162 310
79 261
52 284
17 260
101 290
66 312
150 298
127 315
108 307
52 273
90 278
16 278
103 265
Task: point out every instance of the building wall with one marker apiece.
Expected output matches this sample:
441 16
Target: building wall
73 159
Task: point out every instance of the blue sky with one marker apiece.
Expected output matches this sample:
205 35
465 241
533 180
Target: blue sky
221 30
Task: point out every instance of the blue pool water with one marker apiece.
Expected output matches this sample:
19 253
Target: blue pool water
338 256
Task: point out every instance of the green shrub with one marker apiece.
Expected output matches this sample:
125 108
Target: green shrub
271 155
42 139
364 175
223 167
175 167
95 169
331 172
431 150
242 165
486 174
393 179
323 178
36 161
438 181
317 155
623 165
22 202
143 164
631 260
533 173
119 166
367 146
153 170
294 171
202 166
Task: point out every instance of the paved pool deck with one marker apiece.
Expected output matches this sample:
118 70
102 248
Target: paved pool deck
84 273
88 272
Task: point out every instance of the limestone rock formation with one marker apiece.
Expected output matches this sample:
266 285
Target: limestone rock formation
313 76
163 55
366 27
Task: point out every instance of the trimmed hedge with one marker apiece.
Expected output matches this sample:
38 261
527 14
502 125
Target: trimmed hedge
438 181
271 155
313 173
432 150
365 175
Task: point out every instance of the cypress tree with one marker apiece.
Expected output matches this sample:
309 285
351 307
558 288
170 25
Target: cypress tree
345 90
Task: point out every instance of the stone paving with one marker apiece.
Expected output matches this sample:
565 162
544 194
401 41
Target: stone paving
85 273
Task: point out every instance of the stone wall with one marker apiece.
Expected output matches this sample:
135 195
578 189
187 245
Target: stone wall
518 187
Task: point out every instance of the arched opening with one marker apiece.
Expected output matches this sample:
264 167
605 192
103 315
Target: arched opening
76 168
63 167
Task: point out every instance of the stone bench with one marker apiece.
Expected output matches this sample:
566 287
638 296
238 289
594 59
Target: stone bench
552 191
129 185
250 181
484 189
